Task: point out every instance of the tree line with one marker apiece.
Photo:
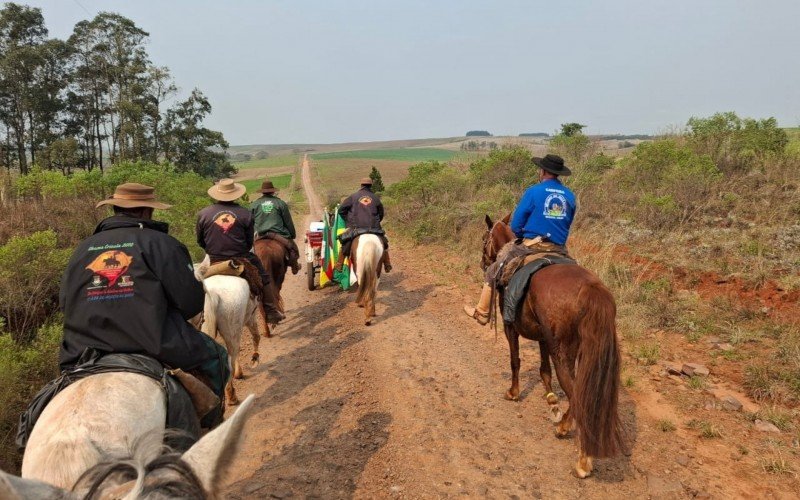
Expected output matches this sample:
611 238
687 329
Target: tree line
95 99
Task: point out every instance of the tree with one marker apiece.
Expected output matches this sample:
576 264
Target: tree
22 31
189 145
571 129
478 133
377 181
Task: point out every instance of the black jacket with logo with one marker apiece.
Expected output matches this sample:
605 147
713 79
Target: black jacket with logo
362 210
130 288
225 230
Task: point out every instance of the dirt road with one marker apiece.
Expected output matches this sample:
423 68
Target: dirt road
412 407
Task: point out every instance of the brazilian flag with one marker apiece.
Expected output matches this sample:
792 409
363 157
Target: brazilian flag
332 249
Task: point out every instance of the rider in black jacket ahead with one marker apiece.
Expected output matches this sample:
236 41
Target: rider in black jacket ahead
363 213
130 288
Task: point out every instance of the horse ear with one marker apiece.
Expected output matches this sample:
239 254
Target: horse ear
17 488
210 457
507 219
489 223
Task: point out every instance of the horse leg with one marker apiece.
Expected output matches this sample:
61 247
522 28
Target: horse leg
255 358
547 379
513 346
566 380
261 319
230 394
584 466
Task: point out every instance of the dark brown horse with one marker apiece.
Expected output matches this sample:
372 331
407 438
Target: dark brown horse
272 255
571 314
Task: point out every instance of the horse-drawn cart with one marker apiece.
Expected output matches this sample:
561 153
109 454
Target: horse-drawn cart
314 243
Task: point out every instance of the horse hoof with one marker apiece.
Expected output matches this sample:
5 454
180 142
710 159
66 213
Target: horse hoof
368 322
511 396
254 360
556 414
583 468
233 402
562 433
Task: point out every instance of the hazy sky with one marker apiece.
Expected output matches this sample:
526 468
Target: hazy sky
332 71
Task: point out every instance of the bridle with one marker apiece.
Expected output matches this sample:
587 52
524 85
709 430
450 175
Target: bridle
489 247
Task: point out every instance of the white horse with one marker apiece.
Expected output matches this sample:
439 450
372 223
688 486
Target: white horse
369 251
107 417
229 308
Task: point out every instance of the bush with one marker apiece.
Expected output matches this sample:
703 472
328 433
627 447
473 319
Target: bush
733 143
30 268
24 369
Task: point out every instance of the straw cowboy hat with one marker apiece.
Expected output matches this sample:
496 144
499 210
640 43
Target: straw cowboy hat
267 187
553 164
366 181
227 190
133 195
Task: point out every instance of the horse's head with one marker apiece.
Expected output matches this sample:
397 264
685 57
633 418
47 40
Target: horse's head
496 236
198 473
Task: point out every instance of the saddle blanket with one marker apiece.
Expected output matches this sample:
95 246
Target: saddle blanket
514 293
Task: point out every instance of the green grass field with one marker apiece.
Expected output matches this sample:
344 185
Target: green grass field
280 182
406 154
271 162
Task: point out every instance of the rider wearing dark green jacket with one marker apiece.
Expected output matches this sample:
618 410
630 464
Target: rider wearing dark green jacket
274 221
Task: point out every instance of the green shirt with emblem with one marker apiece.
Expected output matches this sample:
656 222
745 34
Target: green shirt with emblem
272 216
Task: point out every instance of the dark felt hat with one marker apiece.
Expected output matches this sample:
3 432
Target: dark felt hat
133 195
553 164
366 181
267 187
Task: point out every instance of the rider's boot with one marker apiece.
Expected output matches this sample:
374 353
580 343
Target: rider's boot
387 263
481 311
295 266
274 316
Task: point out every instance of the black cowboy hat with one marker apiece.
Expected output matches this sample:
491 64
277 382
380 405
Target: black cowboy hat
553 164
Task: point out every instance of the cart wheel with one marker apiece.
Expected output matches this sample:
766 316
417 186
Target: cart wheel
310 275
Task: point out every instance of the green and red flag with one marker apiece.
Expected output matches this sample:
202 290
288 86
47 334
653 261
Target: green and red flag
331 254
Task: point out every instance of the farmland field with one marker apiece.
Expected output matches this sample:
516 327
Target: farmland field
283 161
405 154
280 182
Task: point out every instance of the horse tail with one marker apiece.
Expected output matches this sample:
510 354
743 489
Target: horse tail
597 374
367 272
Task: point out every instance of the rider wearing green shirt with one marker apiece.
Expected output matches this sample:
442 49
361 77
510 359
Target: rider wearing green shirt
273 220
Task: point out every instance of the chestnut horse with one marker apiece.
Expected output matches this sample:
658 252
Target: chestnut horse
272 255
571 314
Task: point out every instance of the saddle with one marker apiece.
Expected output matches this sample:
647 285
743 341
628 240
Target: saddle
188 399
517 286
237 267
351 234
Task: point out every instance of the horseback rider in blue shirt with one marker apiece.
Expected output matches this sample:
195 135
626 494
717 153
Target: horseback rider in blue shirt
541 223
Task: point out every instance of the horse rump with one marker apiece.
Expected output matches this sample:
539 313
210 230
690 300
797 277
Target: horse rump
597 370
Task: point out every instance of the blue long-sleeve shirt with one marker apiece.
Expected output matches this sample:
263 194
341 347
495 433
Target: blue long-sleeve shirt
546 209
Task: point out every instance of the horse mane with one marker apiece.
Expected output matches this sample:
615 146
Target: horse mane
165 476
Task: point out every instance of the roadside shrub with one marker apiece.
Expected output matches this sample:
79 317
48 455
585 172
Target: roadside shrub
512 167
734 143
30 268
24 369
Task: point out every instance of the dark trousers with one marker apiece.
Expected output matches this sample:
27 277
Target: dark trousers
217 370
